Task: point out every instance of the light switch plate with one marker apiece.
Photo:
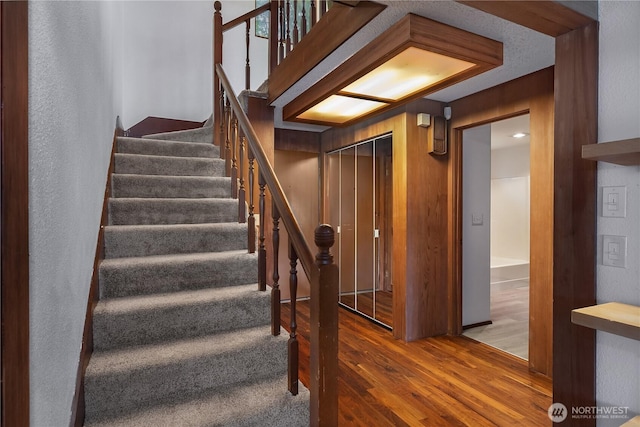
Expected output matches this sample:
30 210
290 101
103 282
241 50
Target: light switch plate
614 251
614 202
477 219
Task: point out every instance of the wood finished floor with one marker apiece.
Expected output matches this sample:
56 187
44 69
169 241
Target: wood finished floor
383 305
440 381
510 316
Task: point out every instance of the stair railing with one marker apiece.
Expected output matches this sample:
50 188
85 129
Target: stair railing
321 271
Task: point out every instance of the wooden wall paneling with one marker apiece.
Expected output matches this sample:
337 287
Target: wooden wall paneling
576 95
541 231
14 138
426 229
297 140
532 93
546 16
335 27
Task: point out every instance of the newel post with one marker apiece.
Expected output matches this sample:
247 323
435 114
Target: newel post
324 333
217 59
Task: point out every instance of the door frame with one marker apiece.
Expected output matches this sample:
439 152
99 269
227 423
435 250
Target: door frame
575 118
14 225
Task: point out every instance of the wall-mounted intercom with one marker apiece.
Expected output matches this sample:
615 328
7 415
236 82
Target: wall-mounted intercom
437 136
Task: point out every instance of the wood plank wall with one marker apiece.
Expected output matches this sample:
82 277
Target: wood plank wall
14 128
529 94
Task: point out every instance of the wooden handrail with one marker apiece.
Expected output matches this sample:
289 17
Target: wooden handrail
277 193
320 270
247 16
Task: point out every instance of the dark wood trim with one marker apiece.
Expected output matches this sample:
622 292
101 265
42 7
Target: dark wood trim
475 325
574 230
78 403
335 27
534 94
160 124
14 139
545 16
297 140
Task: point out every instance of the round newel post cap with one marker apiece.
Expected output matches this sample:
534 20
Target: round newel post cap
217 6
324 239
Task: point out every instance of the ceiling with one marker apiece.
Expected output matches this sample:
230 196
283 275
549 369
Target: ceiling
502 132
525 50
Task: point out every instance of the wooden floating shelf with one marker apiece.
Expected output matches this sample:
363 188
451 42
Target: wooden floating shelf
625 152
633 422
612 317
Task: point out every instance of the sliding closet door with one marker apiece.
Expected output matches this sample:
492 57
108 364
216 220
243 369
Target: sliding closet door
365 234
348 224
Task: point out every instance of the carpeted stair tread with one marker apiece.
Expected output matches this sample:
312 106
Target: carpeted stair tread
140 211
264 403
172 273
165 186
125 378
160 147
148 319
167 165
143 240
200 135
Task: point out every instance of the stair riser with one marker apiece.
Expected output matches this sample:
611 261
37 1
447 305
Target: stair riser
166 148
163 277
142 327
174 166
142 242
161 186
142 212
121 392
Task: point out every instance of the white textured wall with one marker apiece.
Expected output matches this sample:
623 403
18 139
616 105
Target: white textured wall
476 199
74 98
510 202
618 359
168 59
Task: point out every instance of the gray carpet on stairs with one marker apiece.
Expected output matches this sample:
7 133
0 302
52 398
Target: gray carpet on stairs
181 333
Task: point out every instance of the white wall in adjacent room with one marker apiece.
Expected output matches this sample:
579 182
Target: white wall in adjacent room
75 94
618 358
476 201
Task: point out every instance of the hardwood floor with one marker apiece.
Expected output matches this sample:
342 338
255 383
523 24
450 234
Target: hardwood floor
510 316
441 381
383 305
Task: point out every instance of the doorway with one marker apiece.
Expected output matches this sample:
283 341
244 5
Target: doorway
360 205
496 246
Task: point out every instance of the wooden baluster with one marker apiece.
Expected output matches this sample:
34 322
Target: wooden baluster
222 122
282 37
218 92
324 6
251 222
293 337
262 253
275 288
324 334
296 37
314 14
247 67
242 197
273 34
304 18
234 157
227 146
288 27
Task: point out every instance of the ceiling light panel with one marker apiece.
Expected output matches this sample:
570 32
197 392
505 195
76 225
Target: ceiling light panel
339 109
410 71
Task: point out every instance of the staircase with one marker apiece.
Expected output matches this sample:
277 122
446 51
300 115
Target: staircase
181 333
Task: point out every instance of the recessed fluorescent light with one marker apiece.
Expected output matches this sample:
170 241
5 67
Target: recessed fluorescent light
519 135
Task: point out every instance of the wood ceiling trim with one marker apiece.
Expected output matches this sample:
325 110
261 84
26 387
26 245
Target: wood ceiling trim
547 17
